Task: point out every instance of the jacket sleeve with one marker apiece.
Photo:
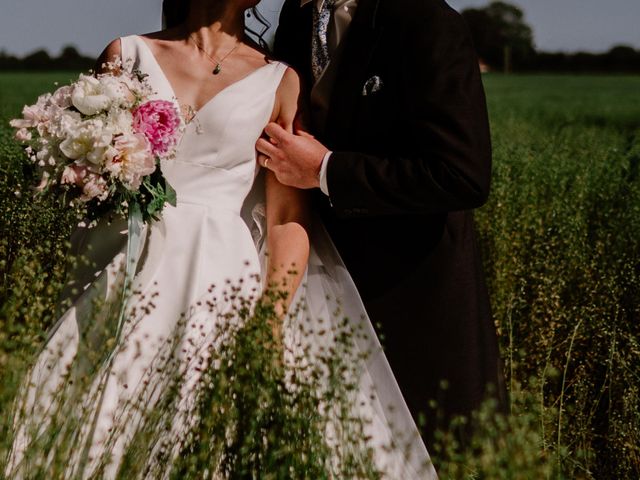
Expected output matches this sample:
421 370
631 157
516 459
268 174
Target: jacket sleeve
448 165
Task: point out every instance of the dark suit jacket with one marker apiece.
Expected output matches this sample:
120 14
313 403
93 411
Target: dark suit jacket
410 162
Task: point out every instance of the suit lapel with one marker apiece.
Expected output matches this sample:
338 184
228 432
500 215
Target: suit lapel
360 41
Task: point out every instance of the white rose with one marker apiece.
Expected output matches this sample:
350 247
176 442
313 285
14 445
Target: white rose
90 96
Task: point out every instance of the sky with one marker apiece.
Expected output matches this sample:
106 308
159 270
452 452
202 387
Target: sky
559 25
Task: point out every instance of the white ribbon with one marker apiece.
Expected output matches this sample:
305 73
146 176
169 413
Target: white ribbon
134 240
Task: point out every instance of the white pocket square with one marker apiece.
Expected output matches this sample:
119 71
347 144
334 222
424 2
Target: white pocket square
373 85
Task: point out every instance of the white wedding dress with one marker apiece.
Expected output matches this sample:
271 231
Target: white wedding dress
213 236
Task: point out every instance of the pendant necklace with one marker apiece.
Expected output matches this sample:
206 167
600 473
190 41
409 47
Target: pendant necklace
218 63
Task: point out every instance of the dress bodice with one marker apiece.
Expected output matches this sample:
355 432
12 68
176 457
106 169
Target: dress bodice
215 164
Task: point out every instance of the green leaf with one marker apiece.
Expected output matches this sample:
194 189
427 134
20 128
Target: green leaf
156 205
171 195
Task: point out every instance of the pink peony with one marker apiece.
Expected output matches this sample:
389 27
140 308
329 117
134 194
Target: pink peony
94 187
44 181
74 174
132 160
23 135
159 121
33 115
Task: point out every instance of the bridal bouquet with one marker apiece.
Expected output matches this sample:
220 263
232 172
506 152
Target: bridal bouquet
99 142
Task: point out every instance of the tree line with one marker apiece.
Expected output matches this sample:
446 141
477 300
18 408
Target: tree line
40 60
505 42
502 37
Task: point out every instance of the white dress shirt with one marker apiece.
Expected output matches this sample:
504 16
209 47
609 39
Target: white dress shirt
341 17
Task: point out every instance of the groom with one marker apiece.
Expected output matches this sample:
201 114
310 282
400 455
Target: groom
401 155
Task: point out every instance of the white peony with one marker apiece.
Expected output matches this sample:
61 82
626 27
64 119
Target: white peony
62 96
120 90
92 95
89 140
66 122
121 121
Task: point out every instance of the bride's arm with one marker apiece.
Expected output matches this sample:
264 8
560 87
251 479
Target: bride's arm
287 211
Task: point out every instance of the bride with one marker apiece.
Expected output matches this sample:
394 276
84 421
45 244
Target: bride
235 231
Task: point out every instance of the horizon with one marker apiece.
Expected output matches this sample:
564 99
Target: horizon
596 28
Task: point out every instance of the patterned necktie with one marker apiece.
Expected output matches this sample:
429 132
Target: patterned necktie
319 45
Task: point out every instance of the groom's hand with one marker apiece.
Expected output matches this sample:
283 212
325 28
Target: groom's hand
295 159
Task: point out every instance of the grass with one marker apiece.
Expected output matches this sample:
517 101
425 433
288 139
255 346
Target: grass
18 89
561 243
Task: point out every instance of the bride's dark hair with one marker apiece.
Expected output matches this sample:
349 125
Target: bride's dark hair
176 12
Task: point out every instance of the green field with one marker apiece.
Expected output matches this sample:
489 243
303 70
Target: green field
561 243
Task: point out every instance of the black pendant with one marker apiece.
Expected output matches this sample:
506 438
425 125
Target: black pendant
218 69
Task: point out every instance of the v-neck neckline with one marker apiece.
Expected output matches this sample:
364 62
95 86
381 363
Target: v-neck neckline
214 97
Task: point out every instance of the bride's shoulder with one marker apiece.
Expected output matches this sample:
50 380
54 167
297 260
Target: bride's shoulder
288 96
168 34
112 53
290 80
261 55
